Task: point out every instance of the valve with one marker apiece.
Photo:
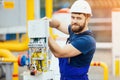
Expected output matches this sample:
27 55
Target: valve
22 60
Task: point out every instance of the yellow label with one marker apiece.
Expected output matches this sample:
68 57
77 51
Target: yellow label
9 5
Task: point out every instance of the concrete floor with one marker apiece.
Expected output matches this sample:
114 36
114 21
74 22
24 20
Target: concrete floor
95 73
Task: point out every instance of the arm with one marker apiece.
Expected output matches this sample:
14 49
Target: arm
67 51
60 26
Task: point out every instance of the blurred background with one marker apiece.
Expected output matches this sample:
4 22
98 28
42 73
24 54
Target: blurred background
14 15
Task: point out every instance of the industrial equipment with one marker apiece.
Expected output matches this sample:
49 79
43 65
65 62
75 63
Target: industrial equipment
38 61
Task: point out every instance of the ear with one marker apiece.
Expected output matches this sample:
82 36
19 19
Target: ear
87 17
87 20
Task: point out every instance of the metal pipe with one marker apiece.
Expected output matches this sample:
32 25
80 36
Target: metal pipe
30 10
117 67
17 36
49 8
104 66
15 45
6 53
7 60
49 11
7 56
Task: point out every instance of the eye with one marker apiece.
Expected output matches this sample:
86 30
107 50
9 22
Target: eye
72 17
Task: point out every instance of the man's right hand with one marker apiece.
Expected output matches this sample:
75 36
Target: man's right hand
52 22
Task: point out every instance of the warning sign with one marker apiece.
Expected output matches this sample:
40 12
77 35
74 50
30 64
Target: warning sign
9 4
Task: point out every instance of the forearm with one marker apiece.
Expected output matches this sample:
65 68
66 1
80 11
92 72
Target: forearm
60 26
54 47
60 52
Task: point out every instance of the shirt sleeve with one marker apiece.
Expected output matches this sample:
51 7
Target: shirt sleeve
84 44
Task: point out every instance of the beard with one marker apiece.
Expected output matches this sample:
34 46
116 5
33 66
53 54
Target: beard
76 28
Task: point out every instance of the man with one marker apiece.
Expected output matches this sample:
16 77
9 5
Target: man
76 55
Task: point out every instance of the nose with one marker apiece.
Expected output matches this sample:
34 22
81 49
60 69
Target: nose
74 20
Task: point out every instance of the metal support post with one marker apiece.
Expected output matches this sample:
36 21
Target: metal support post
8 69
104 66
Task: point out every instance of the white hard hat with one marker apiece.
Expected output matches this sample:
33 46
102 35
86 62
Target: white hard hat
81 6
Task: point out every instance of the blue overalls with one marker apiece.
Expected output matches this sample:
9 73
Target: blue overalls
69 72
76 68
